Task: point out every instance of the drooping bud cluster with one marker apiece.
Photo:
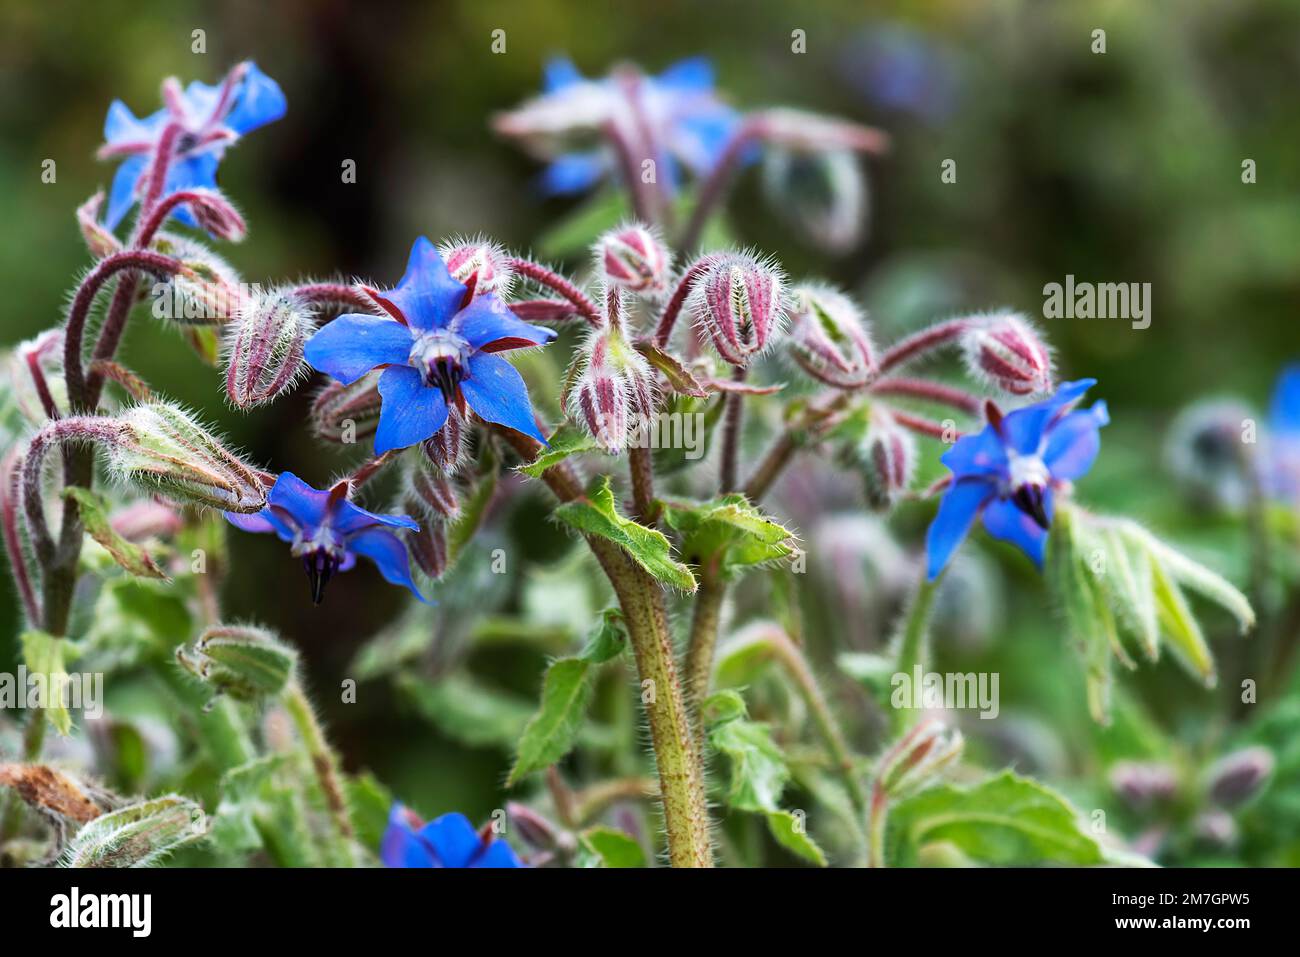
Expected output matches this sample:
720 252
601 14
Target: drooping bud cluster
613 391
480 265
163 450
264 348
739 302
918 758
1005 351
242 661
205 291
885 455
347 413
828 337
632 257
1207 451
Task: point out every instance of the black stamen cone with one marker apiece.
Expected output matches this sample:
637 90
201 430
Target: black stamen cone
321 567
1029 499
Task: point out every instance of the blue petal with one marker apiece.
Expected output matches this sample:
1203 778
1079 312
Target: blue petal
497 854
558 73
121 125
307 505
692 75
388 553
1003 520
260 522
121 197
700 139
974 455
401 846
1073 443
411 412
258 101
957 511
427 295
196 171
1025 427
453 839
352 345
349 518
496 392
572 173
487 320
1285 409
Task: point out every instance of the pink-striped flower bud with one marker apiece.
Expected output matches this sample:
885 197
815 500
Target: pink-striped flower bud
206 290
347 413
264 348
613 391
631 257
1006 351
480 265
99 240
216 215
828 337
432 492
886 458
739 303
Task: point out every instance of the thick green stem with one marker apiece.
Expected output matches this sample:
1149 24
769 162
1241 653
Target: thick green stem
325 766
706 620
912 644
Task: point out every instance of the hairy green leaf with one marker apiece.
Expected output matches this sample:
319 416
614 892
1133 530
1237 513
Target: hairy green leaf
94 515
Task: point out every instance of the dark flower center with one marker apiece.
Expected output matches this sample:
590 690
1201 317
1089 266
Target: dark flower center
441 358
322 564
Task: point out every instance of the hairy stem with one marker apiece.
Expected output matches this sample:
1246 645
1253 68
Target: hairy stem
938 392
715 187
706 620
668 319
922 342
640 463
325 765
733 418
552 280
876 817
803 430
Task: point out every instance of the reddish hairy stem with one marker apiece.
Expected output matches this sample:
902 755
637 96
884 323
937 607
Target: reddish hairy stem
664 330
733 418
925 426
334 294
922 342
546 277
715 187
933 391
9 492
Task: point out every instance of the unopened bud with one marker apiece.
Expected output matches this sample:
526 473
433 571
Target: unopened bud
1238 777
446 449
481 266
347 413
138 835
428 547
1143 783
99 240
886 458
918 758
35 372
535 829
241 661
1008 353
205 291
632 257
614 387
215 215
164 450
264 348
828 337
739 303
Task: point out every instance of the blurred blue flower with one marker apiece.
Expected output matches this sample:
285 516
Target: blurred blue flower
1283 468
447 841
436 350
904 69
1011 470
675 118
211 117
328 532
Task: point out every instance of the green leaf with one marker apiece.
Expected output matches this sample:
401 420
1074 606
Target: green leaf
550 733
468 711
568 439
94 515
1199 579
679 377
597 515
789 831
730 530
758 769
609 847
44 654
608 639
1005 820
1180 626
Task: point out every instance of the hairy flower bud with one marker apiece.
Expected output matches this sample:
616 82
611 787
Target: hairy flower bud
828 337
138 835
164 450
35 372
446 449
242 661
216 215
739 303
206 290
1216 828
535 829
264 348
614 390
1239 776
885 454
480 265
631 257
347 413
428 546
1143 783
99 240
918 758
1006 351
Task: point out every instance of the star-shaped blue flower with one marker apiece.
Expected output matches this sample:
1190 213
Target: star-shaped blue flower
437 347
447 841
678 111
328 532
211 118
1010 472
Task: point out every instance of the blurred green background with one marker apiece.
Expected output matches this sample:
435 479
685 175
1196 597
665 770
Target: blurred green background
1120 167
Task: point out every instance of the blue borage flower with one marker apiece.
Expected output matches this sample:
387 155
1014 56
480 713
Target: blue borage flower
1282 477
211 117
675 117
328 532
436 347
1011 470
447 841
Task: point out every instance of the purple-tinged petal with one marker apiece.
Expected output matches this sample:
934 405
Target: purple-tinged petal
496 392
1073 443
259 522
427 296
308 506
349 518
121 125
258 101
957 511
1284 414
572 173
488 325
497 854
1003 520
412 410
453 839
353 344
1025 427
388 554
121 196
